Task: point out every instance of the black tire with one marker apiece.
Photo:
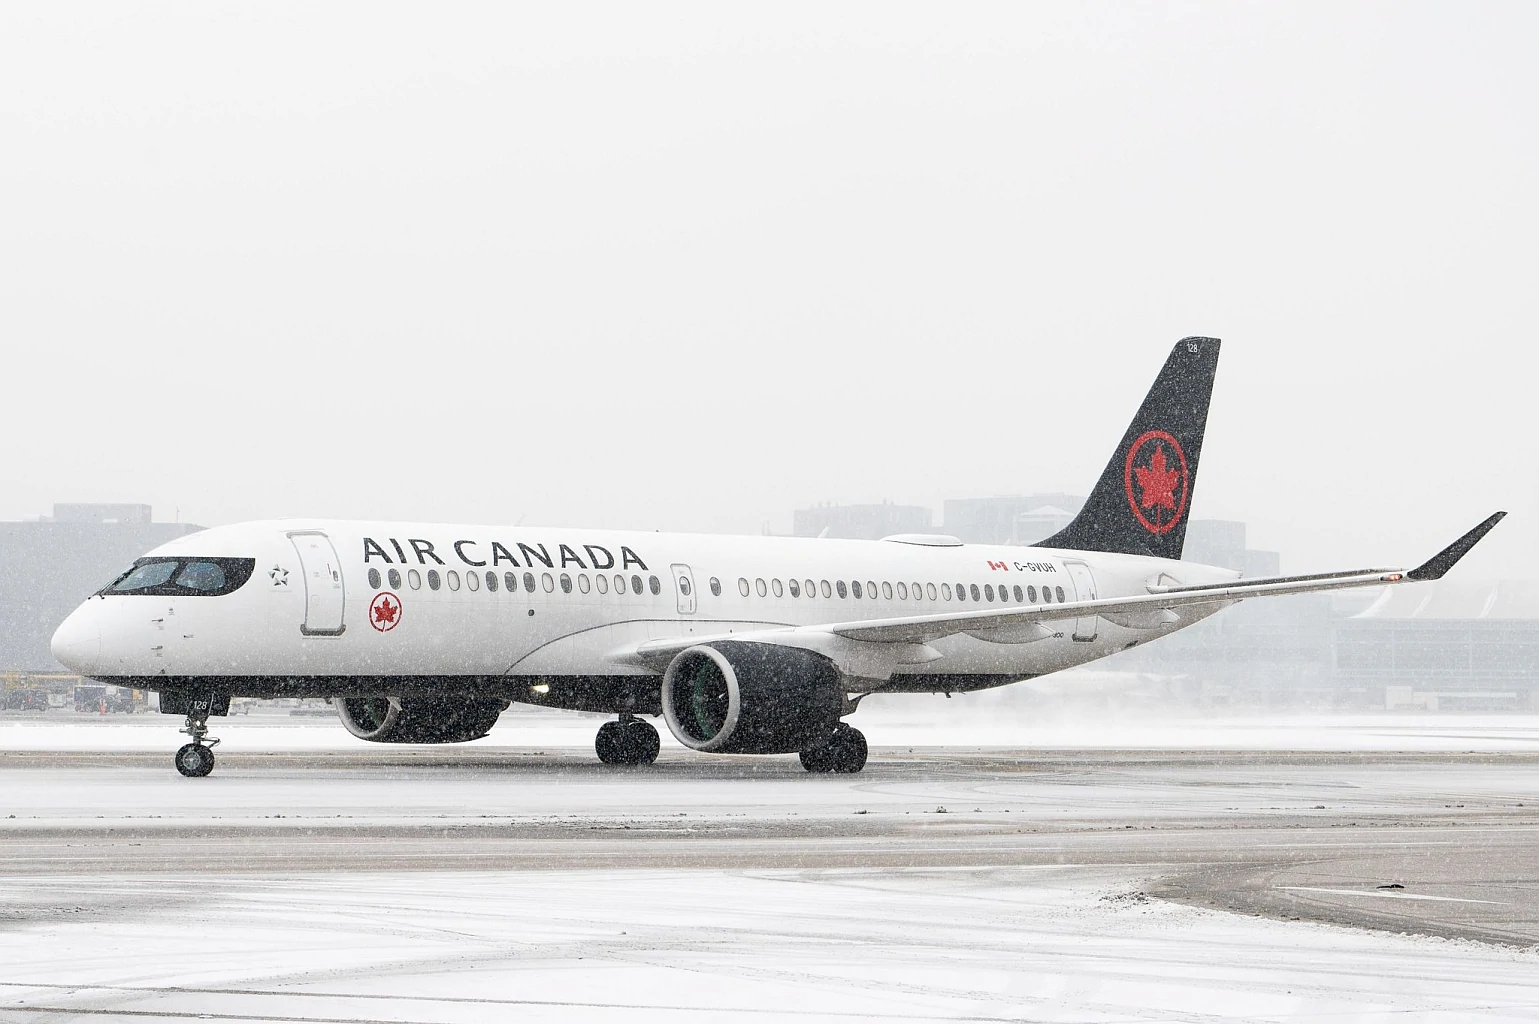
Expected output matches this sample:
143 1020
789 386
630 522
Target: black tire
194 760
818 759
849 749
643 742
609 744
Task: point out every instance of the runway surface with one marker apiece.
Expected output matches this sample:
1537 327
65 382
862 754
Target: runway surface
433 884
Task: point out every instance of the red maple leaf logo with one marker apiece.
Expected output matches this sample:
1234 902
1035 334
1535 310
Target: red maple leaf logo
385 611
1157 482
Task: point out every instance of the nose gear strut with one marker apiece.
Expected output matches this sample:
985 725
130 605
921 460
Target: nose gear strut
196 759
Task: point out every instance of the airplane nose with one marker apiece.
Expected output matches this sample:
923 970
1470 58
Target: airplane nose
77 643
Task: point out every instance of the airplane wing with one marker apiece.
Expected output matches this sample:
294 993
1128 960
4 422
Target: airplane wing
908 636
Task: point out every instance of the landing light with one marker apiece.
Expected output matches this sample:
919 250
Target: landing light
1394 577
540 688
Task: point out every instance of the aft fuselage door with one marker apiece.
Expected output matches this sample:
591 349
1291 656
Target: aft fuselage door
322 572
684 586
1084 588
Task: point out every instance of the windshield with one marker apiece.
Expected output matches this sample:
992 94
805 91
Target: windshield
197 577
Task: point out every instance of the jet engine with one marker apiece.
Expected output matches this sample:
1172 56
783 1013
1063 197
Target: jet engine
430 719
743 697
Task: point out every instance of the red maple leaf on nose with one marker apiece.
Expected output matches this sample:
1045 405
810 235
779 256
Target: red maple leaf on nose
1157 483
385 611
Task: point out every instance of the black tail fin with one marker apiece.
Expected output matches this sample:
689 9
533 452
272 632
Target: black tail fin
1140 504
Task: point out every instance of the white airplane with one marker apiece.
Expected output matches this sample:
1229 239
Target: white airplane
425 633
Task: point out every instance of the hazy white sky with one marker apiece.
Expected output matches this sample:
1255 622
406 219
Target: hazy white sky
694 266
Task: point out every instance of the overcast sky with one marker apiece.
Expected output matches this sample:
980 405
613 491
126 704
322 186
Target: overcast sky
692 267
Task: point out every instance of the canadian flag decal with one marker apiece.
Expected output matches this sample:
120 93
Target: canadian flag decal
1000 565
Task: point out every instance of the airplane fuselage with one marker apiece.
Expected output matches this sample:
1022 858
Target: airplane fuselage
549 616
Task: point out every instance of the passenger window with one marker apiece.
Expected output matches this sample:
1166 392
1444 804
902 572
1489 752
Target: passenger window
373 578
619 584
902 591
602 582
809 589
742 586
758 585
566 583
1031 595
510 582
472 581
1047 595
684 587
930 589
988 591
1019 597
776 588
887 590
871 589
453 579
961 591
582 582
1059 595
548 582
529 582
655 585
715 587
854 589
636 584
844 591
974 590
827 590
945 591
796 590
433 582
394 575
414 579
491 582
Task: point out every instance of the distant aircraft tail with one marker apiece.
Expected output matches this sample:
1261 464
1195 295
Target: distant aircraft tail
1140 504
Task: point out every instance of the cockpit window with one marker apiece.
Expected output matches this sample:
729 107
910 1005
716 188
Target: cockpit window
189 577
201 576
150 574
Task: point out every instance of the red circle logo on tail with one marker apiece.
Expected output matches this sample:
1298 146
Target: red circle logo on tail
1157 466
385 612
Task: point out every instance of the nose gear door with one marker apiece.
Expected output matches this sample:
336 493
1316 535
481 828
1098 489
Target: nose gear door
1084 587
684 586
322 573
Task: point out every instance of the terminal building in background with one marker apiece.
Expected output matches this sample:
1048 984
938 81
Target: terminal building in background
51 564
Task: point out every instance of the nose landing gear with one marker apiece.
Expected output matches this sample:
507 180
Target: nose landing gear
843 752
196 759
627 741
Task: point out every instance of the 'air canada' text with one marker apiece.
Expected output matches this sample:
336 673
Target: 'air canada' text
495 553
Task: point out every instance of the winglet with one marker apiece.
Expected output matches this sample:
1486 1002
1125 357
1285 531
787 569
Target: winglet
1434 567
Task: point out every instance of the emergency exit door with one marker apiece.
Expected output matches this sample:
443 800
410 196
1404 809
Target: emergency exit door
322 572
684 586
1084 588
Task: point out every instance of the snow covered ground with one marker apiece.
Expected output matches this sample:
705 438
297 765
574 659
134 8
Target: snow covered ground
895 721
1042 944
1074 938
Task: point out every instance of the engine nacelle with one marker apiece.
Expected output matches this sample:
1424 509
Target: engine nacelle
742 697
430 719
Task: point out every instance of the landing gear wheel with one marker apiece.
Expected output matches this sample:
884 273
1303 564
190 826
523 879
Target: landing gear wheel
645 743
849 745
194 760
843 752
628 741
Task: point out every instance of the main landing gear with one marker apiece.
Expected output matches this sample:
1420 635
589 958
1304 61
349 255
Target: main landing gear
196 759
843 752
627 741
